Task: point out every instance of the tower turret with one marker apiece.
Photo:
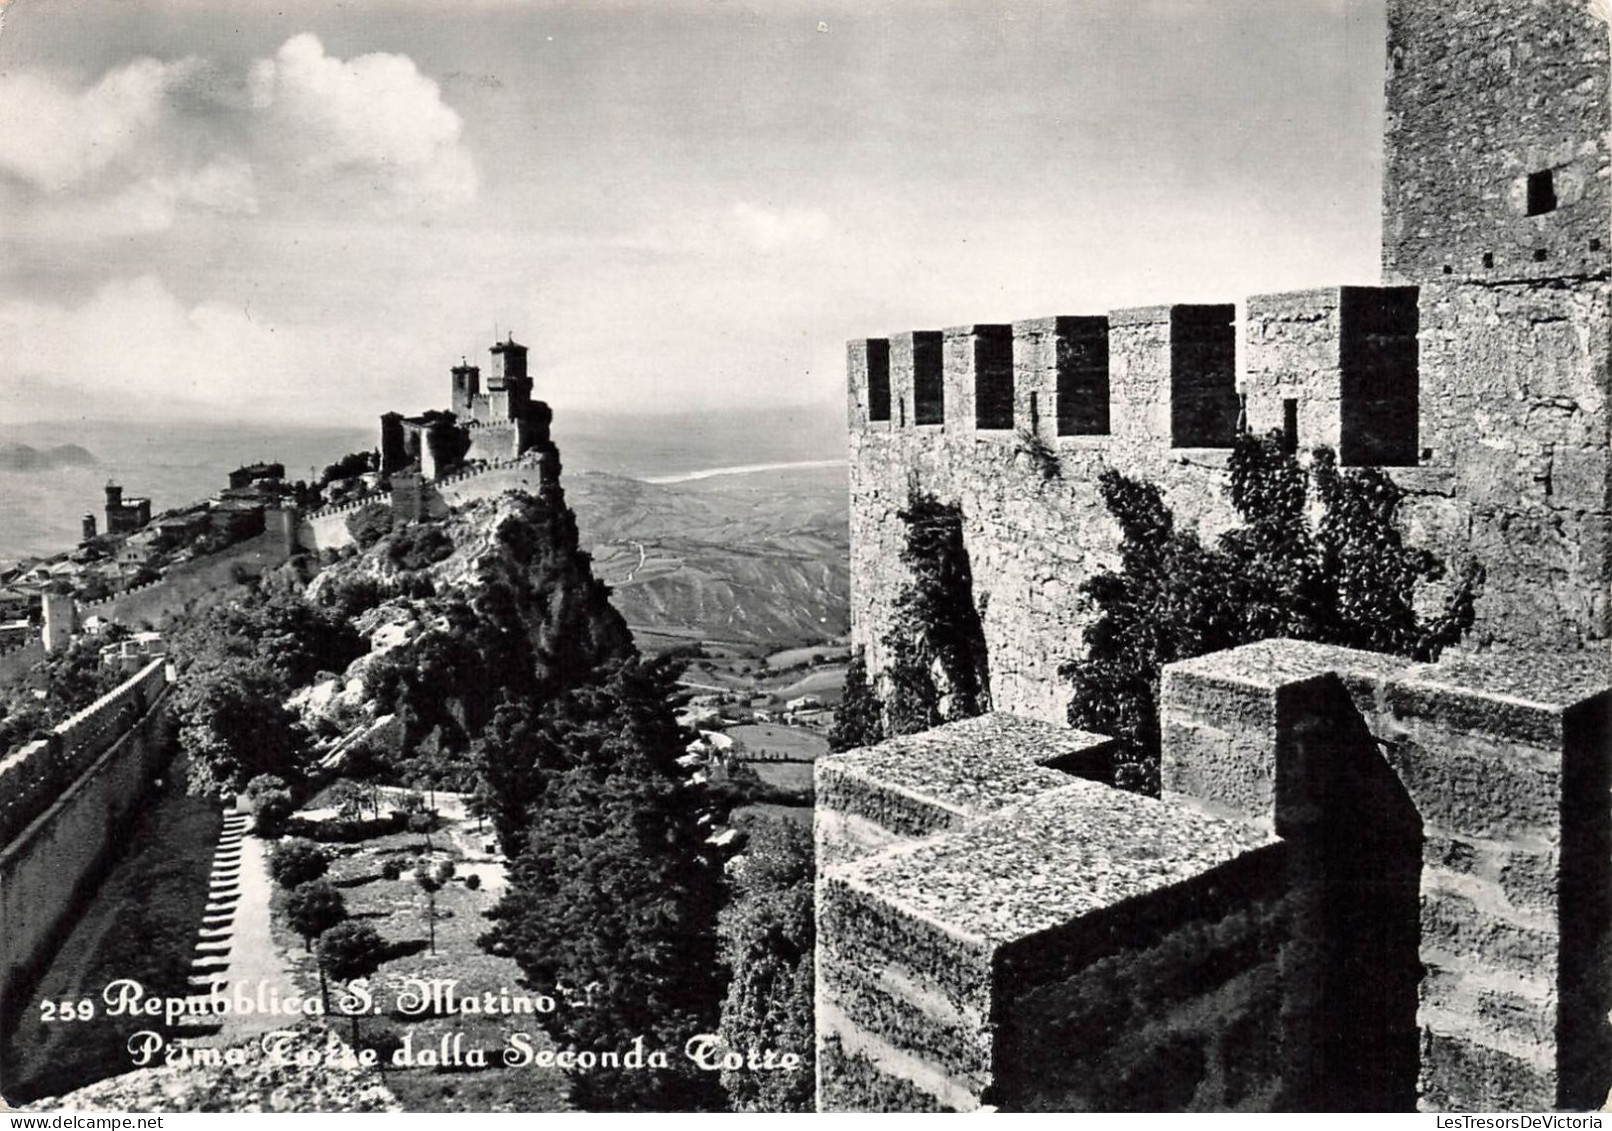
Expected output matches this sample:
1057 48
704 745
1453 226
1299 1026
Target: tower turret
509 366
466 387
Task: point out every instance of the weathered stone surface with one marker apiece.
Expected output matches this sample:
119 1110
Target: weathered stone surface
958 770
1482 784
1481 94
1056 857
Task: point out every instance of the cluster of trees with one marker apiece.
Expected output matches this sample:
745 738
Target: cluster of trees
525 689
239 660
612 882
344 948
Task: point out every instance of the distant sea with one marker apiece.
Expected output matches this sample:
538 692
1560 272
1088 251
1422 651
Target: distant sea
180 463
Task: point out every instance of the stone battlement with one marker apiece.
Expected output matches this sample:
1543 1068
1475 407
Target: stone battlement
1370 883
65 803
33 776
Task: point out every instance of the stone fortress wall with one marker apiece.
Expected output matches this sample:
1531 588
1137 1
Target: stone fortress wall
1482 391
63 801
1369 883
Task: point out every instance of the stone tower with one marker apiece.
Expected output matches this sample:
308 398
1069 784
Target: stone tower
1496 149
61 617
466 387
994 926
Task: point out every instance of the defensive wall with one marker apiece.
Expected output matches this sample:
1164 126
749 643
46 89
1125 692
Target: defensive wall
327 528
182 584
1485 403
1476 377
1370 884
64 802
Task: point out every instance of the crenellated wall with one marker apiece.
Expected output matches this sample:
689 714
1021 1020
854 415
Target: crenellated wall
63 802
1478 383
1486 404
1370 885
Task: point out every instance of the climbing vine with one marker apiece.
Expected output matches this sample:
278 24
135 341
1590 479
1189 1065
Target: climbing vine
939 668
1347 577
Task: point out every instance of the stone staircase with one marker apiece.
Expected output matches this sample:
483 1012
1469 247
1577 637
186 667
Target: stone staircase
215 938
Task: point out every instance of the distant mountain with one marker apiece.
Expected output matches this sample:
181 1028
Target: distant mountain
26 457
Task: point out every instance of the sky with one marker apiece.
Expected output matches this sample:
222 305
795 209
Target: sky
309 210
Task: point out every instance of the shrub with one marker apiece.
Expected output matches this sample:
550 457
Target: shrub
295 861
391 868
473 881
264 783
419 546
368 525
313 908
341 831
270 812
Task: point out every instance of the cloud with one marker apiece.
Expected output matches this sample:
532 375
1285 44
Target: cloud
296 134
55 137
770 230
373 122
740 231
225 187
133 346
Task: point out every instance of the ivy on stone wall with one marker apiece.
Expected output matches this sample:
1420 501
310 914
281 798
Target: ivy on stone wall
939 667
1346 577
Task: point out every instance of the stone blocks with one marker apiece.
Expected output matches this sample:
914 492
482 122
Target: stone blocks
1490 104
1009 908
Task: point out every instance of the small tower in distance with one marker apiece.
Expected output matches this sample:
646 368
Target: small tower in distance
509 376
466 387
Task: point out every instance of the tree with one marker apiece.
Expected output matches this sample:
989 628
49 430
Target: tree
350 950
270 811
313 908
858 722
295 861
768 936
348 800
431 880
616 885
422 821
264 783
939 668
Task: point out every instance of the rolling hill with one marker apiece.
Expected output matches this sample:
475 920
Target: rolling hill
756 558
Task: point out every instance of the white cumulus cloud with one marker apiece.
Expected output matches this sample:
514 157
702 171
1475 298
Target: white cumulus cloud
373 121
134 343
